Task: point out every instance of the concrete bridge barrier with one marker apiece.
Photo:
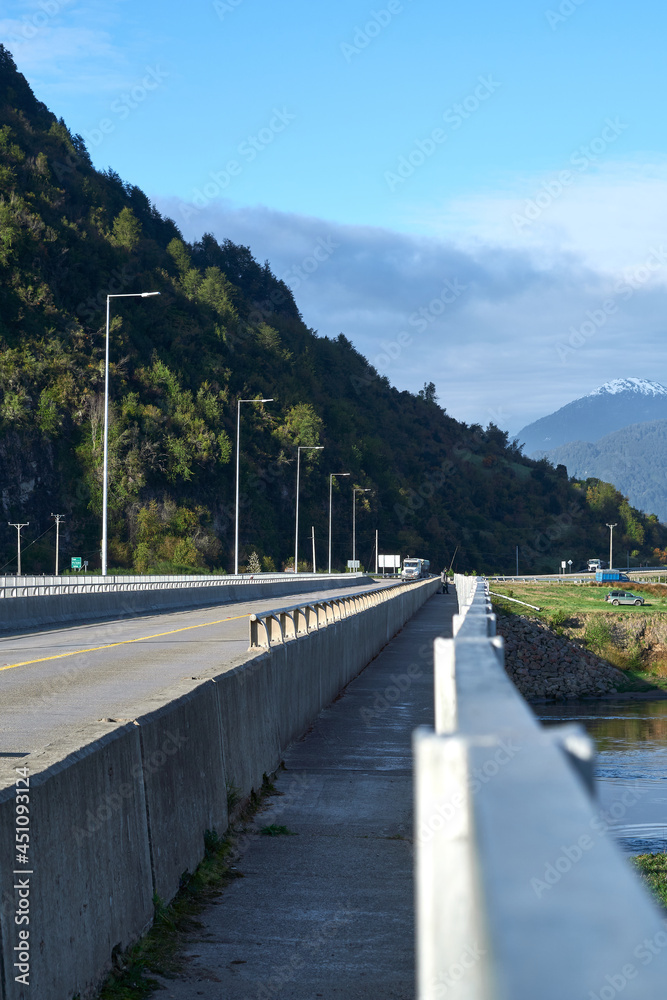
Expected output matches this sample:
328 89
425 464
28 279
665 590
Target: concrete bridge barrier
118 812
29 602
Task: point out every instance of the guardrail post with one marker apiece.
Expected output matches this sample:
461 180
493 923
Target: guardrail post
452 947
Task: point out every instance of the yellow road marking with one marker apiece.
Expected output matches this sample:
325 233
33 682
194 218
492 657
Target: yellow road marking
123 642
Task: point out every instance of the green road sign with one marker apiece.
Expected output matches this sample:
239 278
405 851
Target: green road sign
76 562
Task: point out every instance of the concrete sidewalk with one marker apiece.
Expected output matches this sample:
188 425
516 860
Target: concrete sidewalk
329 912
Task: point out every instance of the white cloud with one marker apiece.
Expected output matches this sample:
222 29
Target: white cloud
508 330
65 46
609 216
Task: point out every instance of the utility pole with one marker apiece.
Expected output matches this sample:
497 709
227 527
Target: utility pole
58 518
376 553
313 537
18 535
611 540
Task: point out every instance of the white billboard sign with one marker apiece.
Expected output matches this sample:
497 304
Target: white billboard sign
390 562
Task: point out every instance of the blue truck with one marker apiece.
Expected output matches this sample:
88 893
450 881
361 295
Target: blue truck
611 576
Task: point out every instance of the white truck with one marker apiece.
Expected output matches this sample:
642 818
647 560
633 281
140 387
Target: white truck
415 569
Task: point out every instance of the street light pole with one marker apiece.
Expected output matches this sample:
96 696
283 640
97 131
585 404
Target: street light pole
331 478
355 490
18 539
105 472
611 539
301 447
238 454
58 518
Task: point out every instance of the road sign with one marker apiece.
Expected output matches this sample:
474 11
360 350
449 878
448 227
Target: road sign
390 562
353 564
76 562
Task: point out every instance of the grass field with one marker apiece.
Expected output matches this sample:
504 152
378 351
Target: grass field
580 612
583 598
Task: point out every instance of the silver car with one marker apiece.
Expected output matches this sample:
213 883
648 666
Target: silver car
617 597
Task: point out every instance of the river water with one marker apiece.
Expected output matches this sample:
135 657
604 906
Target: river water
631 765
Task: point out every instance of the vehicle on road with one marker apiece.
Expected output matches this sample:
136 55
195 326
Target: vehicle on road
617 597
596 564
415 569
611 575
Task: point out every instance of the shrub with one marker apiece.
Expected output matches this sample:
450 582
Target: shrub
597 635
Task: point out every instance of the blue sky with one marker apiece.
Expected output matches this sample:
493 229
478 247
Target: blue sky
483 177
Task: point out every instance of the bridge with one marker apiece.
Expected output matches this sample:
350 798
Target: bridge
519 891
127 760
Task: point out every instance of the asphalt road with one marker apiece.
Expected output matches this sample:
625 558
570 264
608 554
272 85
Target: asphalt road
54 679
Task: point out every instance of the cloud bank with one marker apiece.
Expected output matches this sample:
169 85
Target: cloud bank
509 325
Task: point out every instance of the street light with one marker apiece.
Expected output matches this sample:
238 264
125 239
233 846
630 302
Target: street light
355 490
238 442
611 539
105 472
331 477
302 447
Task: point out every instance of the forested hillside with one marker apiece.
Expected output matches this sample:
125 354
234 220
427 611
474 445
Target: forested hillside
224 328
634 458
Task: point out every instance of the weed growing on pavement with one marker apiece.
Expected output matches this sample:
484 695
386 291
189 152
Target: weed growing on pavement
273 830
160 951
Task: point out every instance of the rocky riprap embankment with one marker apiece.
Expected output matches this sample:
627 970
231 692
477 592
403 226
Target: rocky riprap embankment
544 665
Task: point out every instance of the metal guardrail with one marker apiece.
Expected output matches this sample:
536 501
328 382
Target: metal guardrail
521 892
277 626
44 586
636 576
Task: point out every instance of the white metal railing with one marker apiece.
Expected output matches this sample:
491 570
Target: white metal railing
41 586
277 626
521 893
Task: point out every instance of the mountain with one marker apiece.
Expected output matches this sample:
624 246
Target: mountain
634 459
609 408
225 328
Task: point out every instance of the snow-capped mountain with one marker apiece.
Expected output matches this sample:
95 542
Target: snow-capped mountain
640 385
612 406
